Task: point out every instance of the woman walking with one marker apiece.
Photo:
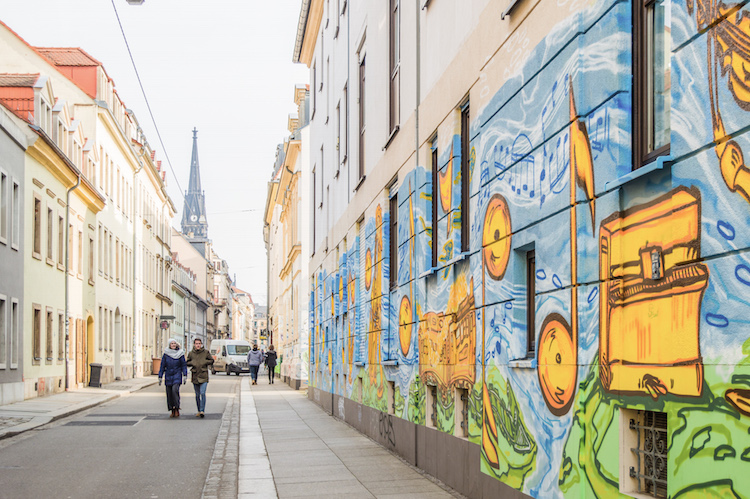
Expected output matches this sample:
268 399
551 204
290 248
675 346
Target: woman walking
271 363
174 370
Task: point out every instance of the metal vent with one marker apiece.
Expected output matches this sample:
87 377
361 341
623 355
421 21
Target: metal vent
651 453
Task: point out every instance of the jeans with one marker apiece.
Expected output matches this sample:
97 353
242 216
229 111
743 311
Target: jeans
271 373
200 395
173 396
254 372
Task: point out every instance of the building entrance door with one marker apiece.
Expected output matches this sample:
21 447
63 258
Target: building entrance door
118 344
81 354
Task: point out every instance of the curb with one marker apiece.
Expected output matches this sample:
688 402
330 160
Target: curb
38 421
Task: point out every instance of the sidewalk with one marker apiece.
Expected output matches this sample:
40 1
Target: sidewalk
32 413
307 453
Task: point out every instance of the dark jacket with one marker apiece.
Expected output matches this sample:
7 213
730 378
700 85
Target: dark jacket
174 369
271 358
199 360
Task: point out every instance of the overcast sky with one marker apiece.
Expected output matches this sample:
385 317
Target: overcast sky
222 66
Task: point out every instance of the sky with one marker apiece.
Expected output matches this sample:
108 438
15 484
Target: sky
222 66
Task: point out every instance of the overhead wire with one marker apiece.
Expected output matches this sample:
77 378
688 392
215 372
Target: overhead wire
148 105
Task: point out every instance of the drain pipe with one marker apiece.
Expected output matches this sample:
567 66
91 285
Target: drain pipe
419 95
67 292
135 253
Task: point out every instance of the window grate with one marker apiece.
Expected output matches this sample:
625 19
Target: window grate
465 412
651 453
433 415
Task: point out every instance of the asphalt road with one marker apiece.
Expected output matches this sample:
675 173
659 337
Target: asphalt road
126 448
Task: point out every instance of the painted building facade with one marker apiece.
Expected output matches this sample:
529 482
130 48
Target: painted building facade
12 185
120 204
548 295
197 304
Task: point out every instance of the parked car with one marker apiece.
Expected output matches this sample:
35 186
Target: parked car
230 356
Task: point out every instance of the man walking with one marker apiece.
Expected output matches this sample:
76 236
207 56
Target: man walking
271 363
254 360
199 359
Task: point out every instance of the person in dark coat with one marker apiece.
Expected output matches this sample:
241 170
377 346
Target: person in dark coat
199 359
174 370
271 363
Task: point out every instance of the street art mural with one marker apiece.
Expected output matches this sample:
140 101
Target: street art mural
642 278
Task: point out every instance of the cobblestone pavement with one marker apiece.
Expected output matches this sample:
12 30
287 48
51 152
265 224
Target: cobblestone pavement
9 422
221 482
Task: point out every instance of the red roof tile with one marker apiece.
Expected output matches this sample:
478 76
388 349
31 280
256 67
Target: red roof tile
68 56
18 80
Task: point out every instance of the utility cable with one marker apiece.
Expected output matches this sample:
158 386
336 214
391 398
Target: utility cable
148 105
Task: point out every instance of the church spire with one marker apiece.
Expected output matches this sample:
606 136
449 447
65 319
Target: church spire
194 223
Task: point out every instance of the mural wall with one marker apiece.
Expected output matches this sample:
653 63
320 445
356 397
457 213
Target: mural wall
642 280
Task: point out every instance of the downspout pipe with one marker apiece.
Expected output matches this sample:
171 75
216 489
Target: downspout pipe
135 255
67 291
419 85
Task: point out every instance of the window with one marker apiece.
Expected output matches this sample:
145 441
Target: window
644 452
393 233
362 117
60 337
391 397
101 328
432 405
530 304
3 207
314 208
3 333
465 179
652 48
16 229
36 342
336 16
91 260
394 59
314 89
462 413
50 237
80 253
435 200
101 253
346 123
338 137
15 334
37 237
60 242
49 334
70 248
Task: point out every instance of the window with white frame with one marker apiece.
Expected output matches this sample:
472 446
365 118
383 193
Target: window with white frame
16 216
36 248
3 332
15 334
4 207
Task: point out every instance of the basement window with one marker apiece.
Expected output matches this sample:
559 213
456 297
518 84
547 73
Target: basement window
391 397
462 413
643 453
432 406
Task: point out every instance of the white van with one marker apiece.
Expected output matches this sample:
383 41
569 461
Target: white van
230 356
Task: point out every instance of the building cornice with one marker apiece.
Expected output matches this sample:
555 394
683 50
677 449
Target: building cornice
293 254
310 17
47 153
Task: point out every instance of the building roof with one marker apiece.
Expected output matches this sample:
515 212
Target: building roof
18 79
68 56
